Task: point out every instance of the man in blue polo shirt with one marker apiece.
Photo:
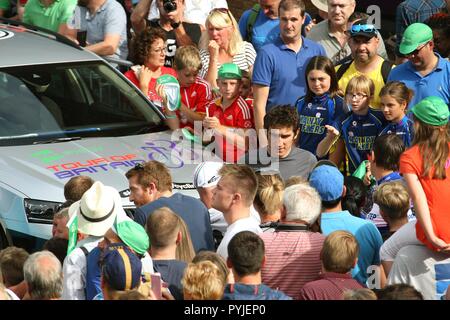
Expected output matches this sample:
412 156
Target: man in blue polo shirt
265 28
329 183
279 70
426 72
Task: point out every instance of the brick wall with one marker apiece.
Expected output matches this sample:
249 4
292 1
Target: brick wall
239 6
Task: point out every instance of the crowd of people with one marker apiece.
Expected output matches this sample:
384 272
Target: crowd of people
342 194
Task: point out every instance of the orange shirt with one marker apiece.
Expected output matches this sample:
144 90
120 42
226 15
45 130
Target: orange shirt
437 193
238 115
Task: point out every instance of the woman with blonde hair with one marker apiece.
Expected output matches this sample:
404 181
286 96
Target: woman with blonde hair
269 199
185 250
223 43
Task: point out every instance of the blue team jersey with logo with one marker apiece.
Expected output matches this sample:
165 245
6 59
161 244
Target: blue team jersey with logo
404 129
313 117
359 133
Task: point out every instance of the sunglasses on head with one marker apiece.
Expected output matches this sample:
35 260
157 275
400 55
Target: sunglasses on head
369 28
222 10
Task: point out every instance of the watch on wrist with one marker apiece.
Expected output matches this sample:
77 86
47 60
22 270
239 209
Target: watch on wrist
175 25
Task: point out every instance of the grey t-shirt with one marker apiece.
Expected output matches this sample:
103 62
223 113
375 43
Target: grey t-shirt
109 19
320 34
299 162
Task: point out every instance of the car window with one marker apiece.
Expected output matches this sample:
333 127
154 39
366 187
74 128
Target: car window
83 100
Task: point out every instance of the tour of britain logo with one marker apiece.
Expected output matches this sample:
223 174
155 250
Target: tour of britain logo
4 34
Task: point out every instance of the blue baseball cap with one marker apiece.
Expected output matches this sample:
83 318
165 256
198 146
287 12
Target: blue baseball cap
121 268
328 182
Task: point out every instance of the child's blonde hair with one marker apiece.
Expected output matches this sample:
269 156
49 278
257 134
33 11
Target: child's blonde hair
203 281
361 84
339 252
187 57
393 199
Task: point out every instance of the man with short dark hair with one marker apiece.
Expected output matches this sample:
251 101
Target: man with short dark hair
260 24
151 188
246 257
425 72
329 182
279 72
234 195
384 160
281 153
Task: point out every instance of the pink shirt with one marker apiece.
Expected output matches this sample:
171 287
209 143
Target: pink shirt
292 260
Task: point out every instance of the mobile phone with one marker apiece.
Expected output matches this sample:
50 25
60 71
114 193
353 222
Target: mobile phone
156 284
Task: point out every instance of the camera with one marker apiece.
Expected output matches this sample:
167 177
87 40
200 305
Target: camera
169 5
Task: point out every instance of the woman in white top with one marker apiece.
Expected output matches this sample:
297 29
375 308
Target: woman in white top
223 43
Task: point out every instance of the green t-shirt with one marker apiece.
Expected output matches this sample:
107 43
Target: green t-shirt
5 4
51 17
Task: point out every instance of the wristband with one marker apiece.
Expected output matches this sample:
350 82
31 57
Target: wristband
170 117
175 25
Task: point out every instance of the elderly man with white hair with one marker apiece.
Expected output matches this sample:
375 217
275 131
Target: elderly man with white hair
293 250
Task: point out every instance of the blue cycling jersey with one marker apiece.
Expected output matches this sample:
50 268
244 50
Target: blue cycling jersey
404 129
359 133
314 115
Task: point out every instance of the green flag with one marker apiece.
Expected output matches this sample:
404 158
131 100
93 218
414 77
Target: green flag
72 224
361 171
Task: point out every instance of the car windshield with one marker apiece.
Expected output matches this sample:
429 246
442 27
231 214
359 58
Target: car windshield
54 103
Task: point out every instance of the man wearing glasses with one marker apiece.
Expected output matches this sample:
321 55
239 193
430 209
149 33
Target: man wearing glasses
363 43
425 72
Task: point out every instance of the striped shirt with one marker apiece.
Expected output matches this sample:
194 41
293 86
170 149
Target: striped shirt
292 260
243 59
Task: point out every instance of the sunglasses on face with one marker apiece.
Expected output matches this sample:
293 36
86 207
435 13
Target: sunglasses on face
369 28
416 52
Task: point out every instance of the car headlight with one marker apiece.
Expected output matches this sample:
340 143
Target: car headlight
39 211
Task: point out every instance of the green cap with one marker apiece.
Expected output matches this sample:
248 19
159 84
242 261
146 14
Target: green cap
414 36
432 110
133 235
230 71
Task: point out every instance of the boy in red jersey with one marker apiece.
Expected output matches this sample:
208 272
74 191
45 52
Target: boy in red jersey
195 92
228 113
